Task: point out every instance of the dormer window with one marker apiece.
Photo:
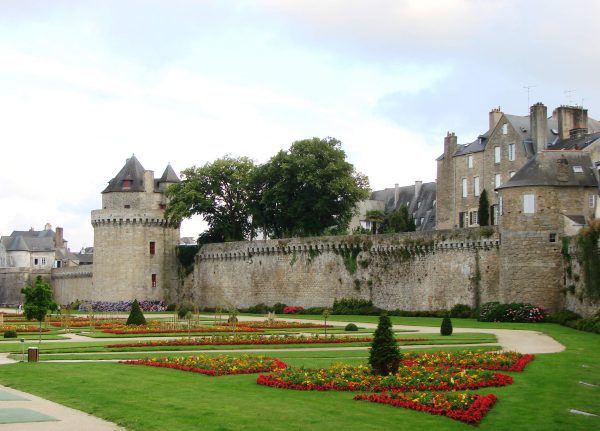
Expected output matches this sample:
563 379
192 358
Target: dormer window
126 184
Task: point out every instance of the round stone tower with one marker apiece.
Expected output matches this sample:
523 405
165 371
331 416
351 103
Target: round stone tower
134 248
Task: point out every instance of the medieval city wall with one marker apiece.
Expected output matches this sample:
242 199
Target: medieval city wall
411 271
72 283
12 280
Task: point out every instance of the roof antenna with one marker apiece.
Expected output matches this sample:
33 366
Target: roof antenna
528 88
569 94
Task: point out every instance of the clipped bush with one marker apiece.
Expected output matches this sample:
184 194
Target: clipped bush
278 308
515 312
184 309
384 356
136 316
461 311
355 306
10 334
351 327
446 327
171 307
261 308
563 316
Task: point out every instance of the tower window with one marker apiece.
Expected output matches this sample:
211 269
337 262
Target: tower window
162 206
153 280
126 184
152 247
127 206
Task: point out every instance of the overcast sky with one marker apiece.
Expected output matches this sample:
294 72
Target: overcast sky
84 84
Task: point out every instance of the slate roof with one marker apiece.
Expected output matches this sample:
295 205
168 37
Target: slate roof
169 176
555 168
576 143
407 196
132 171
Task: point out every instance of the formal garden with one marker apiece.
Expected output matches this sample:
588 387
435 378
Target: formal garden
227 370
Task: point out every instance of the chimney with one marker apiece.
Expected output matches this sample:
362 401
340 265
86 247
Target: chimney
538 124
569 118
495 115
396 194
58 238
450 145
47 226
418 185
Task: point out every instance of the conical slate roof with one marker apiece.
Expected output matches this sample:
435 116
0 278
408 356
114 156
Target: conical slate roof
133 172
169 175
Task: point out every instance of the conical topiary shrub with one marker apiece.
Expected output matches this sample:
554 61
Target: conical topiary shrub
136 316
446 328
384 357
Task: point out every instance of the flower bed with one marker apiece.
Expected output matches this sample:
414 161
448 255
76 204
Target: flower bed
252 339
278 325
292 310
21 328
157 330
503 361
341 377
121 306
215 365
466 407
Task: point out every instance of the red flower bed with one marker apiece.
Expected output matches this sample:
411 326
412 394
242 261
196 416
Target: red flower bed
502 361
258 340
215 366
147 330
292 310
477 407
21 328
277 325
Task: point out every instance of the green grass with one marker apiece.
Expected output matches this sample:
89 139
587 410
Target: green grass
145 398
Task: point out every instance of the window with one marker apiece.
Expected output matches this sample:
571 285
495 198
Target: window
470 161
162 206
496 154
152 247
35 261
473 218
153 280
462 219
127 206
592 201
511 152
476 186
500 206
511 174
43 261
552 237
422 221
578 169
505 128
418 204
528 203
464 187
434 202
126 184
498 180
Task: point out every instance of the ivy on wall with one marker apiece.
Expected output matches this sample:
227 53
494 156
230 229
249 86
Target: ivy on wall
589 256
186 255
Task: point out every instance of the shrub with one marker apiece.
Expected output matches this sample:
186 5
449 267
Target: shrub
351 327
10 334
312 310
292 310
462 311
515 312
384 356
184 309
136 317
355 306
563 316
171 307
446 328
261 308
589 324
278 308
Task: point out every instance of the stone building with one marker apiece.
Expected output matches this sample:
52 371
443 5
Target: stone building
464 171
420 200
134 247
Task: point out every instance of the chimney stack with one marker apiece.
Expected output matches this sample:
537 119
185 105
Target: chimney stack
396 194
418 185
538 124
495 115
58 238
450 145
569 118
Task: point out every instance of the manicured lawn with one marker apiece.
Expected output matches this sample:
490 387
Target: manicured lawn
146 398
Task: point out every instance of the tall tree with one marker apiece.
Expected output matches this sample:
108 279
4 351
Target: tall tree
38 301
384 356
399 220
376 217
308 190
483 212
219 192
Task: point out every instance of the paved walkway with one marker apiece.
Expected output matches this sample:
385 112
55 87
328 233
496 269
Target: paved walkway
64 418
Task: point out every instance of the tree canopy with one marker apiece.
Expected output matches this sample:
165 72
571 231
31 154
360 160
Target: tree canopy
219 192
309 189
399 220
38 301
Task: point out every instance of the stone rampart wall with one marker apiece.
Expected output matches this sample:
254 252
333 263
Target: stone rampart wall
72 283
412 271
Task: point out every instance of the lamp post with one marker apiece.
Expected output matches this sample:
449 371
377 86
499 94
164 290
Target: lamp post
22 349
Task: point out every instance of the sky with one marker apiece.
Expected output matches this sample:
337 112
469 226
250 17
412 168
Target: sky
86 84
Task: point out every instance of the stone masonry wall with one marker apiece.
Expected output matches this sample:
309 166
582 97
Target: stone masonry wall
576 297
12 280
72 283
424 271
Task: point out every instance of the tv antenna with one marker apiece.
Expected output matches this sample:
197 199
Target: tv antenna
569 94
528 88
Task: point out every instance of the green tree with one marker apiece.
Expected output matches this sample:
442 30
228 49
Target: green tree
217 191
308 190
38 301
384 357
136 316
377 218
446 327
483 212
399 220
